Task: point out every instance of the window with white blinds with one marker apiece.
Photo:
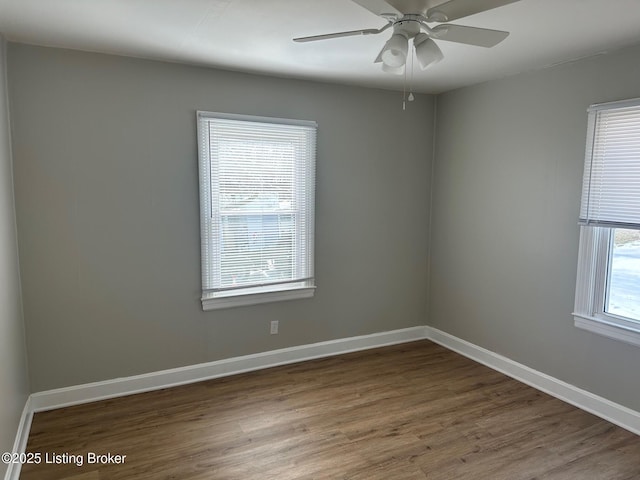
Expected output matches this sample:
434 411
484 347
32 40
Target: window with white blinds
257 190
607 298
611 182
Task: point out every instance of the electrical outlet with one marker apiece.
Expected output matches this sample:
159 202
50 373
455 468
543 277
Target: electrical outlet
274 327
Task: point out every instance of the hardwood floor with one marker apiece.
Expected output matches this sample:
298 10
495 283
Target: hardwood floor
406 412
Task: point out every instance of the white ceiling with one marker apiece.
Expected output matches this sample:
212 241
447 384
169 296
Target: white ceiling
256 36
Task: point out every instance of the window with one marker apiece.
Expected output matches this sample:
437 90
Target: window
257 182
608 279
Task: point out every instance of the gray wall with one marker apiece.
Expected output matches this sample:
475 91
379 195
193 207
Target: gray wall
508 173
107 205
14 387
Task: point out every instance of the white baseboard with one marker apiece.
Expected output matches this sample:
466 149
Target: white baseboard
612 412
91 392
63 397
20 443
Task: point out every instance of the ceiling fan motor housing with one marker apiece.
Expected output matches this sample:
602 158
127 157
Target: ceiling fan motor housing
408 25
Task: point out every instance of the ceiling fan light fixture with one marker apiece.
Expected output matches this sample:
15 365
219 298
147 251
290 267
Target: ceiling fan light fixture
394 53
427 51
414 28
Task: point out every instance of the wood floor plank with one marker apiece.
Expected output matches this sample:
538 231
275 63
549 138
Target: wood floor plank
408 412
85 476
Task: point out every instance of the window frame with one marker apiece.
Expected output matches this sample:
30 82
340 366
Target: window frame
594 256
214 297
596 246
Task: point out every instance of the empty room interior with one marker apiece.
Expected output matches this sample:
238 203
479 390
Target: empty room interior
348 239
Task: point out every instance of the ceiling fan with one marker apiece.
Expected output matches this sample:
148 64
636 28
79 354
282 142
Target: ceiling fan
410 21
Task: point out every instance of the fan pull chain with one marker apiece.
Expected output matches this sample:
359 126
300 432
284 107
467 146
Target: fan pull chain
404 89
411 97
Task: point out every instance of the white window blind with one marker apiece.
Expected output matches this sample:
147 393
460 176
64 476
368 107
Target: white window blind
257 182
611 182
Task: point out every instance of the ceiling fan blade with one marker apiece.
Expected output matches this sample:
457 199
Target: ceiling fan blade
481 37
379 7
454 9
326 36
379 57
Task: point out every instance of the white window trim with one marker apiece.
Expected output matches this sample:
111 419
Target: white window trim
256 298
591 282
600 214
260 293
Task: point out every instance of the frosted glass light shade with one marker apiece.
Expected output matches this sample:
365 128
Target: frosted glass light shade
394 70
394 53
427 51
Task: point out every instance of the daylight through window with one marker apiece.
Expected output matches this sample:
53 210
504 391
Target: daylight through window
257 208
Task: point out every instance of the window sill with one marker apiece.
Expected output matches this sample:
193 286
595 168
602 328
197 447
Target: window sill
607 328
240 300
